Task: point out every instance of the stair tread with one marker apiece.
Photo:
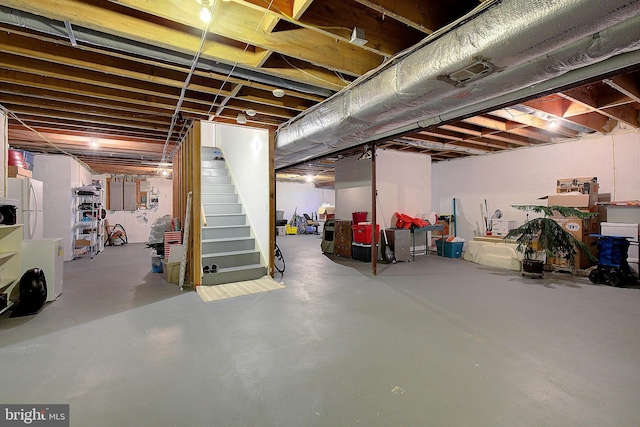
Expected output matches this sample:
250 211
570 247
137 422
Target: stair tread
230 253
228 239
221 203
225 226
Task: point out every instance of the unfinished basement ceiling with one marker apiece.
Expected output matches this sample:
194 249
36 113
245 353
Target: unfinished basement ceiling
114 72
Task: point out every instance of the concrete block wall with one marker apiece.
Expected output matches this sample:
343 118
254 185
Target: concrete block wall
304 197
403 184
523 175
138 223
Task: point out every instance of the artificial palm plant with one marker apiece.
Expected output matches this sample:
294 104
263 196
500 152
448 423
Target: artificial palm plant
544 235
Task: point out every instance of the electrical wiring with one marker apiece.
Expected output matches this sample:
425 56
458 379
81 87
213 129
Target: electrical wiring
213 103
306 72
176 113
44 138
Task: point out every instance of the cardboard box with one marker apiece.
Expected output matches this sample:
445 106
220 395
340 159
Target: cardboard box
581 185
83 242
573 200
580 229
18 172
500 227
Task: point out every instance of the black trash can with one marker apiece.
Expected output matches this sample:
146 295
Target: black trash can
327 237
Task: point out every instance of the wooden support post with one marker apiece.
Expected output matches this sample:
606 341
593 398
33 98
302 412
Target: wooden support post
374 191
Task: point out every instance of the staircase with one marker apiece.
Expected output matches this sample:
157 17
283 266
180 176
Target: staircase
227 242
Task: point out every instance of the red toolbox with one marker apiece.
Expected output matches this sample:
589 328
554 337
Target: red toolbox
362 233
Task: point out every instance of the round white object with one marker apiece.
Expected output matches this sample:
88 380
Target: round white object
433 218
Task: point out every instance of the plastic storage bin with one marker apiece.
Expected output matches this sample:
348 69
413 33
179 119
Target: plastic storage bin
291 229
613 251
172 271
362 233
361 252
359 217
451 249
156 262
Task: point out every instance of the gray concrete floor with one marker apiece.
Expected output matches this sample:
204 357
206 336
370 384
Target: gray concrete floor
435 342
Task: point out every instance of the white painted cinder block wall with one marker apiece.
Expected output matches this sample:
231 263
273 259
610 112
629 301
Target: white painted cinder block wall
304 197
524 175
138 223
403 184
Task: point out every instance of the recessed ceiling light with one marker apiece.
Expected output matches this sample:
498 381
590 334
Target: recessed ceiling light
278 93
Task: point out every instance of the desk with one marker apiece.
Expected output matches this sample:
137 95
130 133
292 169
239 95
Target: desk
436 227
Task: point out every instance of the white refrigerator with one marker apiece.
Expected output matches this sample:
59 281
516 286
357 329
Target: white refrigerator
48 256
29 193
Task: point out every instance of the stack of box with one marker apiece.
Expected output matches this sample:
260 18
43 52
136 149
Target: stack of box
362 237
581 194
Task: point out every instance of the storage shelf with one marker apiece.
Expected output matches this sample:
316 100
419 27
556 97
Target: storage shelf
88 223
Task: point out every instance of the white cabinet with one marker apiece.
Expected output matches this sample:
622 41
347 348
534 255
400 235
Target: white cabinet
10 250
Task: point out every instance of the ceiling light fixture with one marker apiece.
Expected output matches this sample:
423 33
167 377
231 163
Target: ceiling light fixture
357 37
250 112
164 172
309 178
553 123
278 93
205 12
94 143
241 119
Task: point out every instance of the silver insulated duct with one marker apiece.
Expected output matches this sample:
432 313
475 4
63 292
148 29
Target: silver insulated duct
507 48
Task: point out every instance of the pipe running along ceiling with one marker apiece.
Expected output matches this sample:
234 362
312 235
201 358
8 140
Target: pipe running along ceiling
504 51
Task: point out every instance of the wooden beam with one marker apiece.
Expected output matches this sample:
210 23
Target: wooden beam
425 16
626 84
238 22
115 21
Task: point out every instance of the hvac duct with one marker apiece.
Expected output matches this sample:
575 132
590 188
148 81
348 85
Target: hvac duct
512 45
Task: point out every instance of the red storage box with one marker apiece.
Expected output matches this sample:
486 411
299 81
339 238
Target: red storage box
359 217
362 233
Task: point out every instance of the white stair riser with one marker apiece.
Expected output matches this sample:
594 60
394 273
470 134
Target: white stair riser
231 260
218 189
213 164
228 245
220 220
219 198
222 208
225 232
222 277
214 172
215 180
